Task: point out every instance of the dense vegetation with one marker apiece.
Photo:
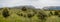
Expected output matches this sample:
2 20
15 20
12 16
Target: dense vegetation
28 15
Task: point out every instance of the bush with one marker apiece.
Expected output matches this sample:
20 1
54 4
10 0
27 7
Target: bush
42 16
24 9
5 12
56 13
20 14
30 15
51 13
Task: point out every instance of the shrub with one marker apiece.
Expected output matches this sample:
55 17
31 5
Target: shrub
51 13
5 12
30 15
56 13
24 9
42 16
20 14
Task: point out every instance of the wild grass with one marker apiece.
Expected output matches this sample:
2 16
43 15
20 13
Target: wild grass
16 18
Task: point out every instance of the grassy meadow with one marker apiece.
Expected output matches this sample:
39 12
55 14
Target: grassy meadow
17 15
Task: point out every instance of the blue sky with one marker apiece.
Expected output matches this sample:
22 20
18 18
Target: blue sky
36 3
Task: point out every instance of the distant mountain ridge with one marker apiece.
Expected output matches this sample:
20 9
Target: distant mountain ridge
20 7
26 6
52 8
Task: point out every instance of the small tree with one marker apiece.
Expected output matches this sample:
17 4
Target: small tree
24 9
42 16
56 13
20 14
51 13
5 12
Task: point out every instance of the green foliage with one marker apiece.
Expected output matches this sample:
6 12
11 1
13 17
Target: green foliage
51 13
5 12
42 16
17 15
24 9
56 13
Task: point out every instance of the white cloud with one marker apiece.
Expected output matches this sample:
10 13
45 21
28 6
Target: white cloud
36 3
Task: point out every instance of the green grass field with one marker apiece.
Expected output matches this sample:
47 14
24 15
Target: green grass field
16 18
